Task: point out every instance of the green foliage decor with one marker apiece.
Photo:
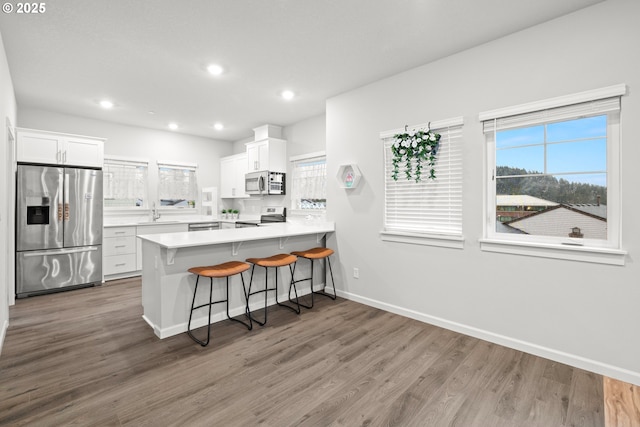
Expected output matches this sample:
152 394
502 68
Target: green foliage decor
415 147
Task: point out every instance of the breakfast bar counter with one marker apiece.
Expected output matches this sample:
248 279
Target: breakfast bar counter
167 287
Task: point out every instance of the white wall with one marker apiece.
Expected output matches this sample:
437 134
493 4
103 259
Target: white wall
580 313
137 142
307 136
7 116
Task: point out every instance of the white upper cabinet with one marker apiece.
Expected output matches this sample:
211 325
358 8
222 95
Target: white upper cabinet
267 155
232 172
59 149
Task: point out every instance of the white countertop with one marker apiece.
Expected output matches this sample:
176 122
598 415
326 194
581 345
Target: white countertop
234 235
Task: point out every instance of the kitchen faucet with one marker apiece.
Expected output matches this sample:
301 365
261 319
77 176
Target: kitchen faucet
155 215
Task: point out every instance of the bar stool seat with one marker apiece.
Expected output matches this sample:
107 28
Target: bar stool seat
312 255
279 260
274 261
225 270
221 270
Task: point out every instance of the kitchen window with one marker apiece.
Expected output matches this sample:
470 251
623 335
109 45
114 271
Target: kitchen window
553 172
428 212
309 183
125 183
177 185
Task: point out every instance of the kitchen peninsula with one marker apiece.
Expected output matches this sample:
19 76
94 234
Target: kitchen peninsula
167 287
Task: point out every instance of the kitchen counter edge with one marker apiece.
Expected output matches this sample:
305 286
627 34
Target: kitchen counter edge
236 235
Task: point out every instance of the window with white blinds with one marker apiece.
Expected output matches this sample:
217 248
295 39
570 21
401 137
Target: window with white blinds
428 209
177 185
309 183
125 183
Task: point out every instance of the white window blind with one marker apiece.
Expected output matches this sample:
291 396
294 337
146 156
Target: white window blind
568 112
309 184
177 185
428 206
125 183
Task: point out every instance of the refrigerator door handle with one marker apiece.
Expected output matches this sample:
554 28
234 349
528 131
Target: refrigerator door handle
59 251
59 212
66 197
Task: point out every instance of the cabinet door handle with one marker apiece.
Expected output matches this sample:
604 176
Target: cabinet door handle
120 246
119 232
121 264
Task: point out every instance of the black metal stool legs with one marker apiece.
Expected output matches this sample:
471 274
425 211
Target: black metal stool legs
248 324
322 292
295 309
246 306
195 291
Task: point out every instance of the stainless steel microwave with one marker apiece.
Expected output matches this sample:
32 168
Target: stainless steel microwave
265 182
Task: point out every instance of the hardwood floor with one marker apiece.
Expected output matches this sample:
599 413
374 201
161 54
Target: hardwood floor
87 358
621 403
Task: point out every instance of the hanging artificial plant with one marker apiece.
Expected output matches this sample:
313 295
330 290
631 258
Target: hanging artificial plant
414 147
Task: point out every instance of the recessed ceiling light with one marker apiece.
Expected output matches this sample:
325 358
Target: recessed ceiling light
173 126
218 126
105 103
215 69
288 94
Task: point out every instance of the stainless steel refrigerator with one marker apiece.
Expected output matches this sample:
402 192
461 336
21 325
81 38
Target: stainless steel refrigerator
58 229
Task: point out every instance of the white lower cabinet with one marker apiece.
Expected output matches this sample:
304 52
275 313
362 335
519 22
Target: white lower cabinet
119 252
122 250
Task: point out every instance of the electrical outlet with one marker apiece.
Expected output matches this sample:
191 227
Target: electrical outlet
356 273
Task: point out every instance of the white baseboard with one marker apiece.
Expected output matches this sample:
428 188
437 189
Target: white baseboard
3 334
548 353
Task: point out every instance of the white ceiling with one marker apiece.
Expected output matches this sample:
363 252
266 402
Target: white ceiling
151 55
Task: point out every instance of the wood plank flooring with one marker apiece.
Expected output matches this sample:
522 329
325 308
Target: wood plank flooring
87 358
621 403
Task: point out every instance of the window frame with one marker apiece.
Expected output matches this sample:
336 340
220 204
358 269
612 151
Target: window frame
607 251
177 165
319 155
439 238
129 161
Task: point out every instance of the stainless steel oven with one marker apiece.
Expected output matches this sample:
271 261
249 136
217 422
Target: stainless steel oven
268 215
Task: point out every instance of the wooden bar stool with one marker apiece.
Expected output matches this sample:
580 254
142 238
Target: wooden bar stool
226 270
274 261
312 255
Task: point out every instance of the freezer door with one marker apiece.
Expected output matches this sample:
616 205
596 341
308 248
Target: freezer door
45 271
82 207
39 208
